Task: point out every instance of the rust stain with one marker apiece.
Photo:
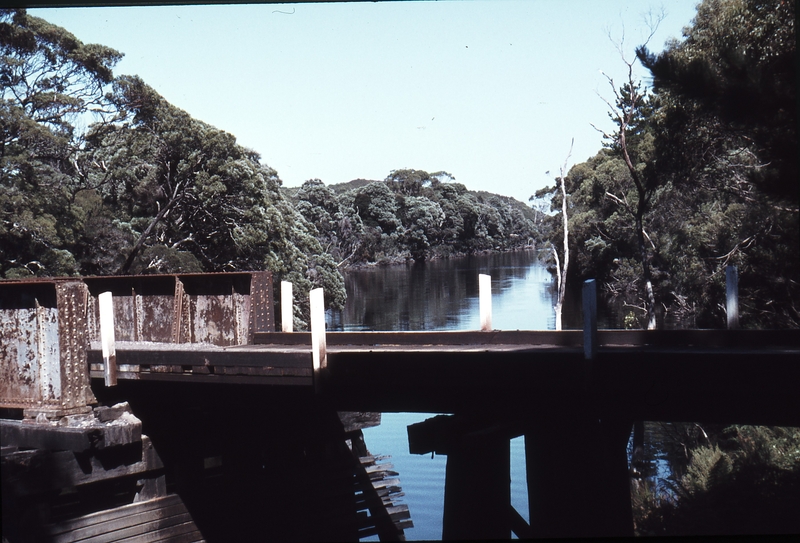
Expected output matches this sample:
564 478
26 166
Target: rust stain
47 324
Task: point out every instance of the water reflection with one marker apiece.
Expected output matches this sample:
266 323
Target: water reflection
443 295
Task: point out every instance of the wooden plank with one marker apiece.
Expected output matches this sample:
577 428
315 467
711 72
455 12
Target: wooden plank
114 514
120 375
169 529
384 483
121 527
132 355
398 511
168 535
700 338
379 468
288 380
471 337
552 338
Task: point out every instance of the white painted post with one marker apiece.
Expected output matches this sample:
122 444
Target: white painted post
318 344
287 307
732 295
485 301
105 303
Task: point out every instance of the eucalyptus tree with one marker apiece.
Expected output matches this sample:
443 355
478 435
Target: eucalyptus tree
339 228
197 192
422 219
144 188
50 84
632 141
451 230
727 137
561 272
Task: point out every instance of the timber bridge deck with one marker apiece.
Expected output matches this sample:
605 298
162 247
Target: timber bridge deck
201 345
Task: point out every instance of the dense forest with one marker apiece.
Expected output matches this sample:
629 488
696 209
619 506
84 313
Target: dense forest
101 175
699 173
412 214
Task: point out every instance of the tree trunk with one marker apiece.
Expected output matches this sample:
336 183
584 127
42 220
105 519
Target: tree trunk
641 207
650 299
136 248
562 273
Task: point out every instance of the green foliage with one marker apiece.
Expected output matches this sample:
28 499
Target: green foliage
746 482
412 215
49 80
737 65
715 151
145 189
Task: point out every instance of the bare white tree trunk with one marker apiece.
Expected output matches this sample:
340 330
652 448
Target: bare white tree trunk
559 298
561 273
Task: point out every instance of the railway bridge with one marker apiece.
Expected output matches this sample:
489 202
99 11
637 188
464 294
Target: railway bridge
255 432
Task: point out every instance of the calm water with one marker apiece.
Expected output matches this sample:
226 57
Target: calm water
443 295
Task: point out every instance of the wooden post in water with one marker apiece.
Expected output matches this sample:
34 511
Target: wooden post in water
318 343
485 301
105 303
732 295
287 307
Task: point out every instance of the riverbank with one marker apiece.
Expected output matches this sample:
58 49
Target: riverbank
405 259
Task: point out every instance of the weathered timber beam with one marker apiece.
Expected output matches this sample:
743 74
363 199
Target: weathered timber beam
569 338
35 471
563 338
442 433
32 435
205 355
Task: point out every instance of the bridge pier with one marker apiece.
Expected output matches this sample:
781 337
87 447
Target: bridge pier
477 493
578 479
577 475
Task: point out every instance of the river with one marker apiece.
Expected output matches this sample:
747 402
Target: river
443 295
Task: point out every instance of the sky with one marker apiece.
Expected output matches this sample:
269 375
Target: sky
492 92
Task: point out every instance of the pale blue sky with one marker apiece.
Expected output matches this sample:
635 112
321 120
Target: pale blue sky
489 91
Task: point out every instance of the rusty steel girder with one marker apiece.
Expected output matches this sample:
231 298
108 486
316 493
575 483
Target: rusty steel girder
43 349
47 325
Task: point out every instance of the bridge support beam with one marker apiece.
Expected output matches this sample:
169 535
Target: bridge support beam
477 494
578 479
